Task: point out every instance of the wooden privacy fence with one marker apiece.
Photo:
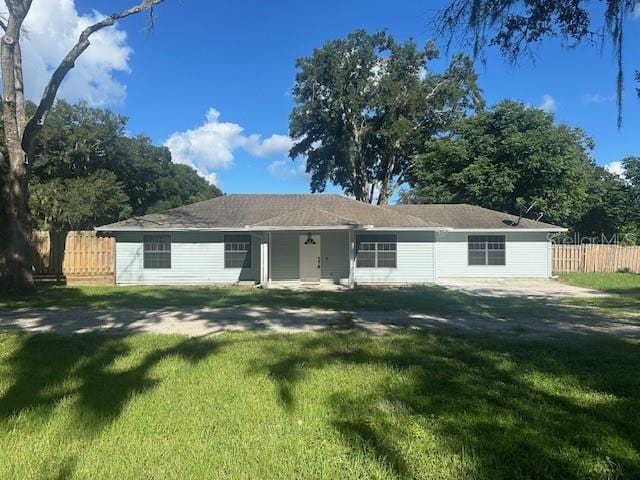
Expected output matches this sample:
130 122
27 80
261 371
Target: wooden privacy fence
81 257
595 258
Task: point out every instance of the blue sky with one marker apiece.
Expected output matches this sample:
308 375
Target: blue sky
230 64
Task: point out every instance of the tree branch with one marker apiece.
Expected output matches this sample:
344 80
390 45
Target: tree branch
68 62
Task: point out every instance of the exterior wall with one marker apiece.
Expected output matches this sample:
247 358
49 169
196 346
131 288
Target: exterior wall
196 258
415 261
285 256
527 254
334 247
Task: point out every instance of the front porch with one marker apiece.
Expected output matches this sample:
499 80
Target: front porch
312 258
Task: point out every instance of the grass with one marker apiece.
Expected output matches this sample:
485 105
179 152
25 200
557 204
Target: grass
623 287
626 284
415 298
323 405
433 300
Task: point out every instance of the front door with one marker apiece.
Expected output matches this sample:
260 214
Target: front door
310 258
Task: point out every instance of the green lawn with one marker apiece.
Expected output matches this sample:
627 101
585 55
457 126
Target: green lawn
432 300
416 298
627 284
341 404
624 288
325 405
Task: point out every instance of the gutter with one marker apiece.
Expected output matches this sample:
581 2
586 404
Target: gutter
502 230
250 228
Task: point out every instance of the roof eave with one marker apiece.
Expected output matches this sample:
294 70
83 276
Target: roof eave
507 229
106 228
253 228
303 227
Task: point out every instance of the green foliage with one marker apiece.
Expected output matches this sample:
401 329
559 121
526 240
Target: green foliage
79 203
610 209
507 157
365 105
632 171
88 172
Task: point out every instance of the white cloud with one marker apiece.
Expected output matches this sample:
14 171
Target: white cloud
211 177
591 98
209 146
548 103
212 145
287 169
616 168
635 14
51 28
275 144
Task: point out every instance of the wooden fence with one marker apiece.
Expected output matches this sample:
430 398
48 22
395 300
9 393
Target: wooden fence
595 258
81 257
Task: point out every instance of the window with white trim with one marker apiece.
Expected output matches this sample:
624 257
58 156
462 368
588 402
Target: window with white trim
486 250
376 251
237 251
156 251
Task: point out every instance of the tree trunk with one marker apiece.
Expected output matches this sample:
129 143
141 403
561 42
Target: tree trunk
20 276
20 135
19 239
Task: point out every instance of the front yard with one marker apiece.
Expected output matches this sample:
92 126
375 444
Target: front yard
327 405
336 404
425 299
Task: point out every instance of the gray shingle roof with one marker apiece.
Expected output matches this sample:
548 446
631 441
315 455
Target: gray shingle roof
264 211
239 212
464 216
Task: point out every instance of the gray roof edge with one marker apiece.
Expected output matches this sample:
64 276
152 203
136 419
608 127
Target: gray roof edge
540 226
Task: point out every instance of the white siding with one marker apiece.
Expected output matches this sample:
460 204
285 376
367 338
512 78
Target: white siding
415 259
196 258
284 257
335 256
527 254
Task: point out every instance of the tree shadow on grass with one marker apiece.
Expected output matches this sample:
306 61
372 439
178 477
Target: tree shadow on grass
48 369
492 409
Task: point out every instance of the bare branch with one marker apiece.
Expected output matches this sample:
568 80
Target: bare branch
68 62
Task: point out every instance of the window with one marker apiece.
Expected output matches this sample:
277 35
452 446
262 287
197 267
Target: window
157 251
237 251
376 251
486 250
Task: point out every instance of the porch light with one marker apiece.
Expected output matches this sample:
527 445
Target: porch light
309 240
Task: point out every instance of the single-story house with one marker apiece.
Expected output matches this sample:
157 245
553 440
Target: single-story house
268 239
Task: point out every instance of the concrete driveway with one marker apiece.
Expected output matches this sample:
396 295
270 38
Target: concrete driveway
546 288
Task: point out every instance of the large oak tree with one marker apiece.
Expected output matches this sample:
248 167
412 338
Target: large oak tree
505 158
365 106
21 132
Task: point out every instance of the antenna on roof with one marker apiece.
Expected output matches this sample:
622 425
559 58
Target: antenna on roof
523 212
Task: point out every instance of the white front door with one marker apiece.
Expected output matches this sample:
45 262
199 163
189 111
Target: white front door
310 258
